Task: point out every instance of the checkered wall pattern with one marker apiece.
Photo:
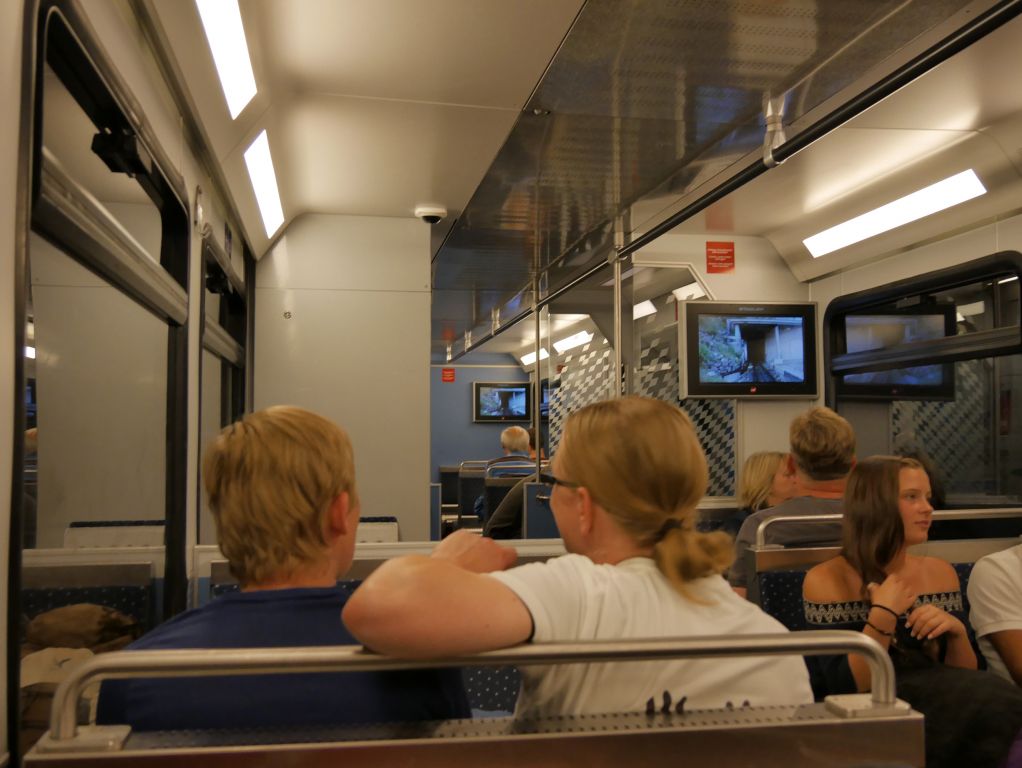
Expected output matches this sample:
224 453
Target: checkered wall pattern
714 421
586 380
957 434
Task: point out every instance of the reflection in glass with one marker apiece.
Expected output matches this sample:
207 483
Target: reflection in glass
211 420
101 371
31 485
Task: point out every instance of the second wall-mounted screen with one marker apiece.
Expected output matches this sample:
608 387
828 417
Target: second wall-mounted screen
501 401
748 350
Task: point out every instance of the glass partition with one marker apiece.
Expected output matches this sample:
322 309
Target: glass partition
100 387
923 377
212 419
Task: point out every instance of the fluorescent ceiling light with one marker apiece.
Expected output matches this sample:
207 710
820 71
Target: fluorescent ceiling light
1007 280
968 310
690 291
576 340
30 353
222 21
530 358
264 182
936 197
643 309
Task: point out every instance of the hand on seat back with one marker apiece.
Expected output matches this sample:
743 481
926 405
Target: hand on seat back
475 553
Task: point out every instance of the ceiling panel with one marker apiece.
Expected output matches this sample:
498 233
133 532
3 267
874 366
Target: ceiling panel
486 53
372 107
646 102
379 157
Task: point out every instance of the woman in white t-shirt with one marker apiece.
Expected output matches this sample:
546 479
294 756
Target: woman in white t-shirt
627 478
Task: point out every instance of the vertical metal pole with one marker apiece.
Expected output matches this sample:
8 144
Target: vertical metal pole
618 326
536 395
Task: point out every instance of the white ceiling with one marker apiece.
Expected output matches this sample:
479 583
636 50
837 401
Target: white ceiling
372 107
967 113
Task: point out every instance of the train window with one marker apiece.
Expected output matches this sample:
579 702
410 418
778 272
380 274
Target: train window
211 422
105 375
100 386
68 136
580 373
932 367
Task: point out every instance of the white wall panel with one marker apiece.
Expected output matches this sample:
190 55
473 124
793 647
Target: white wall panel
760 274
362 253
355 349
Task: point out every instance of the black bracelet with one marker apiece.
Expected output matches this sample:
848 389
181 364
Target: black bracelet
885 608
883 632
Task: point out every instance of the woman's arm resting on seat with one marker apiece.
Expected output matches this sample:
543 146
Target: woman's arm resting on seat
1008 645
441 605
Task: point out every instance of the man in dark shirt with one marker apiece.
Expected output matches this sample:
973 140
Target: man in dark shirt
822 455
281 486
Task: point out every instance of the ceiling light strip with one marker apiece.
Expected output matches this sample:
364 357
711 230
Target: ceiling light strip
530 358
924 202
575 340
221 19
264 183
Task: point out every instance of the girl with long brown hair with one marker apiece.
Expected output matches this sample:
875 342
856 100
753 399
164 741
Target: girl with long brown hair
911 605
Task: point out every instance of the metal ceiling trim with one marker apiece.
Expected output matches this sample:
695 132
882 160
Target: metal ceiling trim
981 26
983 23
554 295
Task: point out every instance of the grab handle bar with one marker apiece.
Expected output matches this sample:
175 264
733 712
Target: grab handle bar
352 658
944 514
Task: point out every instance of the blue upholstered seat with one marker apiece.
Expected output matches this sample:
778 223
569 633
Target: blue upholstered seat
781 597
490 689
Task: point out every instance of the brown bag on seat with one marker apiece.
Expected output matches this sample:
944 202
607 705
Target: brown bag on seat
82 625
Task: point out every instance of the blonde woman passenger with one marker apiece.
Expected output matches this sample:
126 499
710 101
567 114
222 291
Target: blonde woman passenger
626 481
911 605
765 481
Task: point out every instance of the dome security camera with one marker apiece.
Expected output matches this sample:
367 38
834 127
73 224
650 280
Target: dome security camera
431 214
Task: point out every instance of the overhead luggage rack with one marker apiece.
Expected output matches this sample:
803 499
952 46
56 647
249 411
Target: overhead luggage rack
872 727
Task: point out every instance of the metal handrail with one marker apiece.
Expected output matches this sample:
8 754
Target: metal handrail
944 514
351 658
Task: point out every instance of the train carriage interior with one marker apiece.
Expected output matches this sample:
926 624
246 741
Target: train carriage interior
432 221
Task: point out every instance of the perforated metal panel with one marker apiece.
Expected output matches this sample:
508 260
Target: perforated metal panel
957 435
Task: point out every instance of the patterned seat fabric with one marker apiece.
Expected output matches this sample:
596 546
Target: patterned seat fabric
492 689
781 596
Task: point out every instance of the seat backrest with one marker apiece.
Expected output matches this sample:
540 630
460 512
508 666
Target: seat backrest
471 485
780 594
496 489
448 485
491 689
347 586
511 469
126 587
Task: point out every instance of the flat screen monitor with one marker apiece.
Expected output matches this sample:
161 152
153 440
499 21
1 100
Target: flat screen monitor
748 350
883 330
501 401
